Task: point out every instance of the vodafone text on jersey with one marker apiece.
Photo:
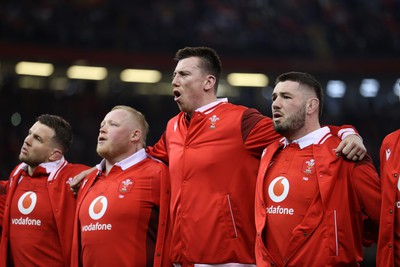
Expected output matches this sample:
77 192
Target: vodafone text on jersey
97 209
278 190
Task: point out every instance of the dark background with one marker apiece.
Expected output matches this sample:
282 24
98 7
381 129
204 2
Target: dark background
346 40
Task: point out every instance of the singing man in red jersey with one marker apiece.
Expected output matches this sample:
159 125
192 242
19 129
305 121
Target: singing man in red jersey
122 211
310 204
388 251
39 208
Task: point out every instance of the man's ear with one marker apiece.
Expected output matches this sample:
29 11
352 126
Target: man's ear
210 82
136 135
312 105
56 154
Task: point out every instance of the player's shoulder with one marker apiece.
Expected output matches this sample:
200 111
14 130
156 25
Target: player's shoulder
154 165
155 162
74 168
392 137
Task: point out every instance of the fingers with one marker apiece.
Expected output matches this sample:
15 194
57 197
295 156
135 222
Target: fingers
74 185
354 158
354 153
339 149
352 148
75 181
358 156
362 155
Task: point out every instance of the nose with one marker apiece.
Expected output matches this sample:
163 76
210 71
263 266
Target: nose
175 81
102 128
275 104
28 139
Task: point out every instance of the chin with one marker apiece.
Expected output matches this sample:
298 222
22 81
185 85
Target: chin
22 157
101 152
181 108
280 129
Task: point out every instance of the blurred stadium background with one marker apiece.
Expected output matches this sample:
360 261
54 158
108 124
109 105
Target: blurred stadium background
351 46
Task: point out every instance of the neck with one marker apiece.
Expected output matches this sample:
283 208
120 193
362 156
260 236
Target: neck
200 105
110 162
31 169
107 167
301 132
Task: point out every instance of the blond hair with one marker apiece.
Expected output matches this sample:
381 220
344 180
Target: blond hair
139 117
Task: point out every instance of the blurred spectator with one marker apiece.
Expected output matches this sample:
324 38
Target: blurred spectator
302 28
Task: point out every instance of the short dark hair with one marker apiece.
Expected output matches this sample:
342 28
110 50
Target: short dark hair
210 60
63 131
304 79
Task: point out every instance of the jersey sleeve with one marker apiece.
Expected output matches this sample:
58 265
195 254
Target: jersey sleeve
343 131
257 131
159 150
161 257
367 185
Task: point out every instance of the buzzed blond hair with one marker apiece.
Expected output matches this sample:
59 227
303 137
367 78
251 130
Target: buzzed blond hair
139 117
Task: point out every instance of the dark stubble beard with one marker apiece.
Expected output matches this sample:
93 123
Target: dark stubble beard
292 123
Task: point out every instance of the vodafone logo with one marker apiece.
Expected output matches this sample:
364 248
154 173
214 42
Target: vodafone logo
27 202
278 189
98 207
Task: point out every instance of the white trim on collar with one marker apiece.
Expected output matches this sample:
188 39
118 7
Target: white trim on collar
128 162
212 104
48 166
52 168
314 137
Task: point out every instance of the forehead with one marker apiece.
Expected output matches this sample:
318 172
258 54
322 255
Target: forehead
42 130
117 115
188 64
287 87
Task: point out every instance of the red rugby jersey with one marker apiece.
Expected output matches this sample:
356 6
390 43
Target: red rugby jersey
332 230
51 178
388 252
290 178
33 228
119 214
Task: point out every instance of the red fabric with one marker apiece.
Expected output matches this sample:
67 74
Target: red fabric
135 203
285 211
31 216
388 251
213 164
2 202
332 229
62 205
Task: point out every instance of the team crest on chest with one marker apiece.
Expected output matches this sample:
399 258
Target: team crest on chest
125 186
213 121
308 166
